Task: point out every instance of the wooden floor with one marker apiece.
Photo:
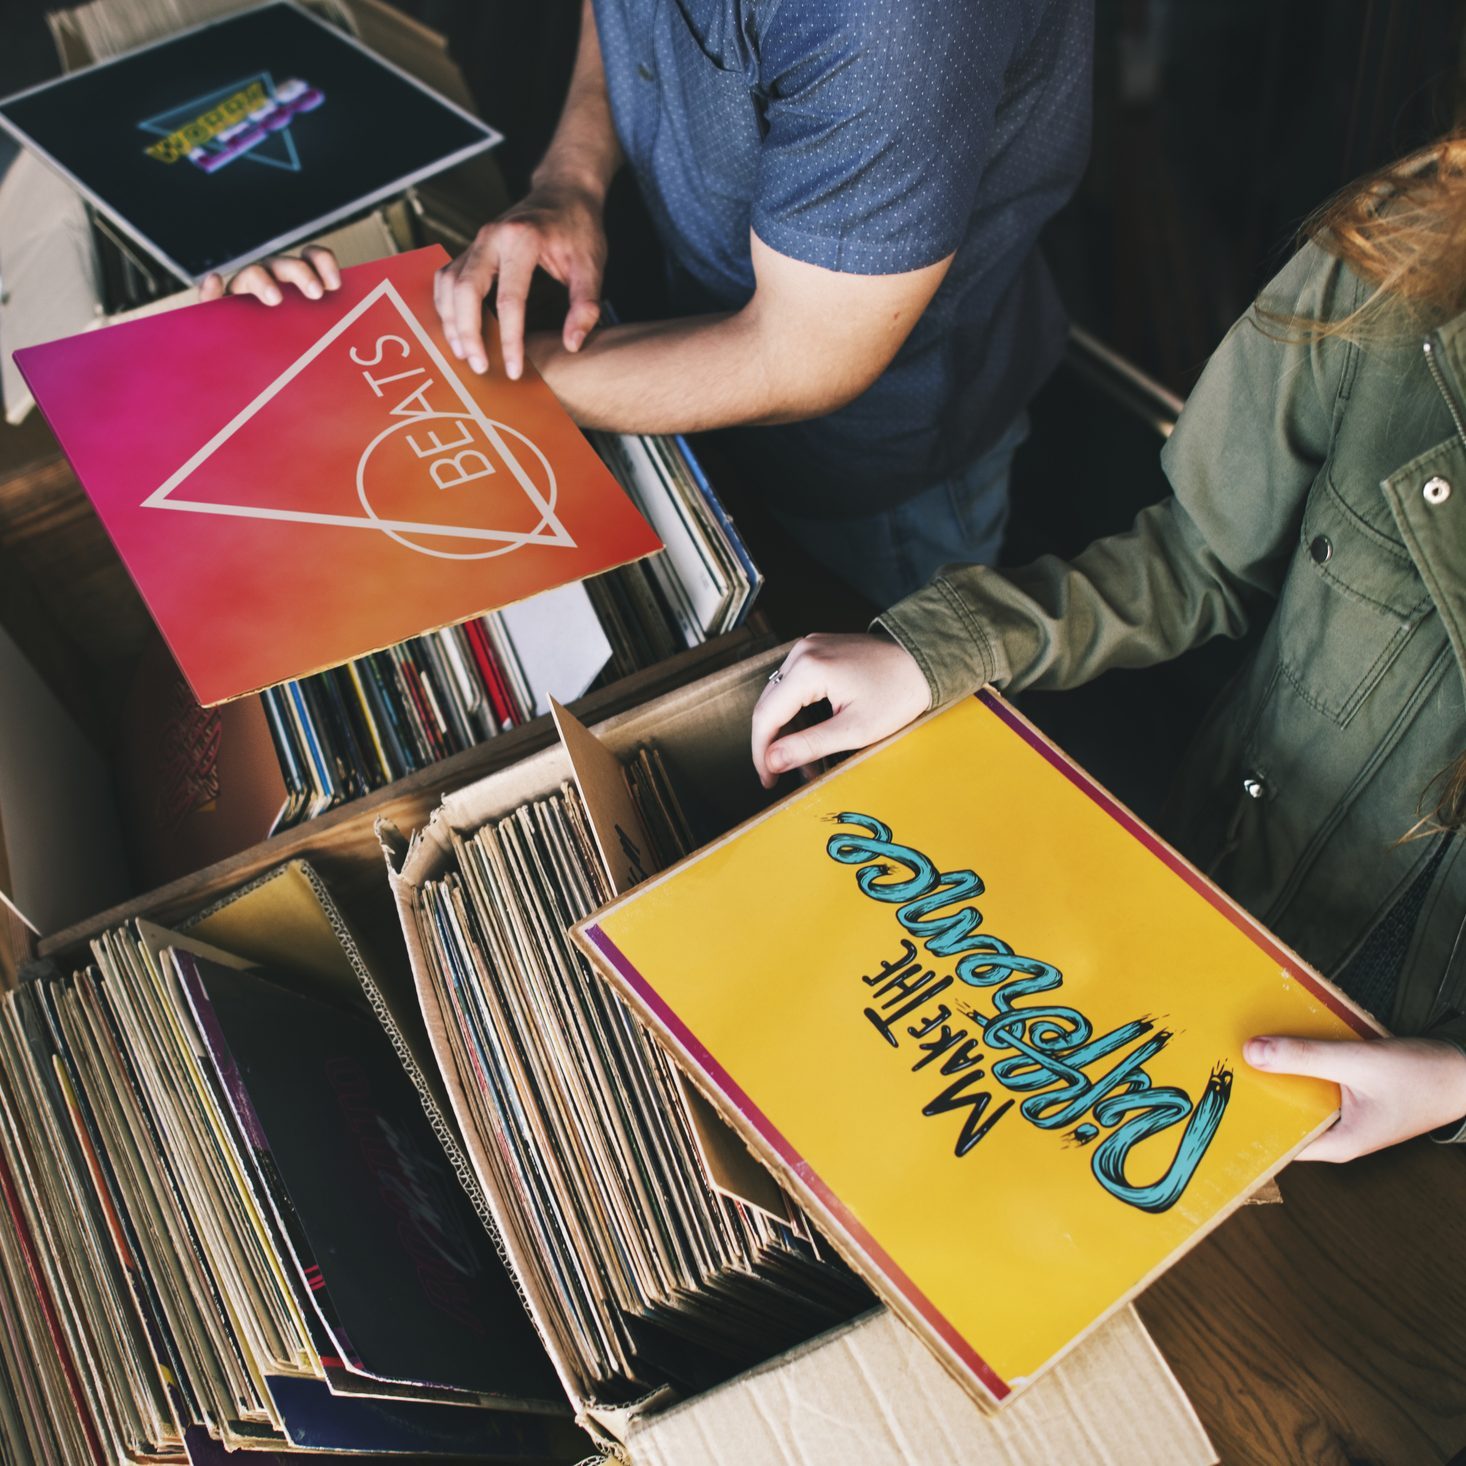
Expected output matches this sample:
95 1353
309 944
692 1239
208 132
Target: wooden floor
1330 1329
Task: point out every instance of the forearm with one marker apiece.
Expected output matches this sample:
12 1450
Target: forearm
584 153
679 376
1131 600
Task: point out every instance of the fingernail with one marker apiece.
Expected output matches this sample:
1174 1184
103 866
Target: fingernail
314 291
457 348
577 339
1258 1050
480 365
513 369
775 761
273 298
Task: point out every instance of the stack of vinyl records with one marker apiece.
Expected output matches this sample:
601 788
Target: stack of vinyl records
356 728
228 1224
703 581
647 1272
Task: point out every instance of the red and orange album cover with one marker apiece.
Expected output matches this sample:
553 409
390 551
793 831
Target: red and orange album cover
292 487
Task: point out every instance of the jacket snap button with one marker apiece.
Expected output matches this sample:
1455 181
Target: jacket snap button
1253 787
1320 549
1436 490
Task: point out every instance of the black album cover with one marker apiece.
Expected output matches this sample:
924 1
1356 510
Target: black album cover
242 136
406 1276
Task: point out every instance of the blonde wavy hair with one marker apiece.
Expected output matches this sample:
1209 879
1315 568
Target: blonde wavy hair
1403 230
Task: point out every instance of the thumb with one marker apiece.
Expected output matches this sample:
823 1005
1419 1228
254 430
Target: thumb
794 750
585 306
1339 1060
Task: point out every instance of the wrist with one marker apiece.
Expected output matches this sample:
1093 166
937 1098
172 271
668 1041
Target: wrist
586 180
1456 1068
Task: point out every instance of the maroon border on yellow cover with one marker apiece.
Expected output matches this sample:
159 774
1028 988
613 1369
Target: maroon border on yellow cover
1255 931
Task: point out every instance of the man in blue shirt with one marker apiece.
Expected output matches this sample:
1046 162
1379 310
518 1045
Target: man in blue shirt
849 193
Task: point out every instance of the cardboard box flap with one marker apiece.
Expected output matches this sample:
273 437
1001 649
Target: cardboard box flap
870 1394
626 852
684 724
480 1173
612 1424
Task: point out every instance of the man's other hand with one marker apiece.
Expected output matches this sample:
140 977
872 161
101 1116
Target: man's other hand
556 228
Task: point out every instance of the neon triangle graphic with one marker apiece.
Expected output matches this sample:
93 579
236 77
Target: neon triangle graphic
163 124
171 494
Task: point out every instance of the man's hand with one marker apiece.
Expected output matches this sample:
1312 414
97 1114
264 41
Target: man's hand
873 685
313 273
1392 1088
557 228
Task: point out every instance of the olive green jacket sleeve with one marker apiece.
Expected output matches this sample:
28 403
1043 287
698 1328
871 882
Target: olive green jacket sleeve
1241 461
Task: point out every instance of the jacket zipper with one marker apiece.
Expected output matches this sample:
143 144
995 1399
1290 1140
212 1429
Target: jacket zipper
1440 380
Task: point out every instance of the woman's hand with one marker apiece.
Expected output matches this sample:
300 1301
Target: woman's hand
873 684
1392 1088
556 228
313 272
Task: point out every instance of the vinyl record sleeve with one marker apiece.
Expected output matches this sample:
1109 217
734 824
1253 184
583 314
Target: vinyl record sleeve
241 136
320 1095
295 487
985 1025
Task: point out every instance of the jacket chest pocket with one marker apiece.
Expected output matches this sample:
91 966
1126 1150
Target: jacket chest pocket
1351 600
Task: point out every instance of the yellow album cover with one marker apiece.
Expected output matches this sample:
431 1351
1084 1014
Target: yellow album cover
986 1026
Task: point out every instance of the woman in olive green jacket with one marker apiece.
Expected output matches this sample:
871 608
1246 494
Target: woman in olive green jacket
1320 466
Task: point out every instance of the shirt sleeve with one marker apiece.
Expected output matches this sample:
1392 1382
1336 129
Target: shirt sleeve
880 118
1242 460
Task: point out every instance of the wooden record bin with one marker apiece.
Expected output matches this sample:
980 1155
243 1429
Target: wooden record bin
70 607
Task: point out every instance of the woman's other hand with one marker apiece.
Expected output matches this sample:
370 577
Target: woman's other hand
873 685
313 272
1392 1089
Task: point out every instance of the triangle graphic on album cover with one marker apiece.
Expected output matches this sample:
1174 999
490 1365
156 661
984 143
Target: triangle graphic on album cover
164 124
172 494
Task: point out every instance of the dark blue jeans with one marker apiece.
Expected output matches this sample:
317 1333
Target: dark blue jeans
888 555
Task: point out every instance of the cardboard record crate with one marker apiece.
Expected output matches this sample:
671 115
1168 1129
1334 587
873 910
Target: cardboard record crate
863 1393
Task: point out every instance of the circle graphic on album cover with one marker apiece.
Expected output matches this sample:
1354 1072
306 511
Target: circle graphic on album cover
467 463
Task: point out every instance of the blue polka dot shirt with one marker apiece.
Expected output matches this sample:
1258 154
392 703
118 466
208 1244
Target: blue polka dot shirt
874 137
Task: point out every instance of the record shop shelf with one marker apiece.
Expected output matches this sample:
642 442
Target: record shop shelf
70 606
